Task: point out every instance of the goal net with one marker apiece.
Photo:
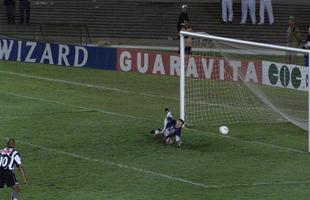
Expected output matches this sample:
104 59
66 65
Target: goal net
227 81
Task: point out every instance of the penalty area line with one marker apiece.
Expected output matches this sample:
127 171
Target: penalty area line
170 177
87 85
265 144
251 142
177 179
70 105
149 172
145 119
102 87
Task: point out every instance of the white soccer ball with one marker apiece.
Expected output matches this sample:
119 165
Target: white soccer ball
307 45
224 130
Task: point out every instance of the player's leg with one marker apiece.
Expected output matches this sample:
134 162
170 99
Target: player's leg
11 181
165 124
155 130
167 136
1 180
178 140
15 192
166 132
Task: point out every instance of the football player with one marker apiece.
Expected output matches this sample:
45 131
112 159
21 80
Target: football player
172 128
9 158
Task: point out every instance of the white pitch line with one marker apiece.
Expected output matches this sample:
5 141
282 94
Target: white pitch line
70 105
275 146
74 155
86 85
252 142
129 116
113 113
170 177
145 119
265 144
148 171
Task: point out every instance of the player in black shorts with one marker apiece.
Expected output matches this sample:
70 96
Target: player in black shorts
172 128
10 158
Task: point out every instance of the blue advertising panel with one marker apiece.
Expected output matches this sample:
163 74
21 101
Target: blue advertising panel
58 54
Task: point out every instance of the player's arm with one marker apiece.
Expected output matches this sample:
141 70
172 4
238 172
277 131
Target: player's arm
20 167
23 174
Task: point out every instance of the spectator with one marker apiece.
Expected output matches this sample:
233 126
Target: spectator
265 4
307 46
188 40
227 8
183 17
245 6
293 38
10 10
24 8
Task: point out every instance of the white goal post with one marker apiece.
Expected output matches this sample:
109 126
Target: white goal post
199 36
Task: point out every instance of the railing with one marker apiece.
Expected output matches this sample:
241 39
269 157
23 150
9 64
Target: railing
52 30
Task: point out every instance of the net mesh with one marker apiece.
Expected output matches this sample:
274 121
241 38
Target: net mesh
230 83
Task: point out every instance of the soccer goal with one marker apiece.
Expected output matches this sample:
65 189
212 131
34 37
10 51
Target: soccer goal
226 81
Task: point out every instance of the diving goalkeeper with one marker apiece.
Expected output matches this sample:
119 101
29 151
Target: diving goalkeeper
172 128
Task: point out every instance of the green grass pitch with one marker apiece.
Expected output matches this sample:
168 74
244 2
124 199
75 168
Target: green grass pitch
83 134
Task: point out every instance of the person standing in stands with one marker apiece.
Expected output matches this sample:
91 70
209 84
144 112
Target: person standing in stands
24 8
183 17
245 6
293 38
307 46
268 5
188 40
10 10
227 8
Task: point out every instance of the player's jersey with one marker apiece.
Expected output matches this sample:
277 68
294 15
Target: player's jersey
9 158
171 130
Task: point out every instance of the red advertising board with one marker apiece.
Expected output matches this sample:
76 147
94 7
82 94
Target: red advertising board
202 67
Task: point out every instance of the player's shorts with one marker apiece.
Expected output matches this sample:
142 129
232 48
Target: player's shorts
7 177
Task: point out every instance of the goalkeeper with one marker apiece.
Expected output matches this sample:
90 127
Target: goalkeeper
172 128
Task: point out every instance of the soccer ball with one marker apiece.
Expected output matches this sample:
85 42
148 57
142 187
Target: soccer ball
224 130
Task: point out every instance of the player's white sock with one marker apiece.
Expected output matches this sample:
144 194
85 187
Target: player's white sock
178 140
180 143
14 196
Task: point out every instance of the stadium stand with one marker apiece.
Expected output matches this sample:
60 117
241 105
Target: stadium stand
78 21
